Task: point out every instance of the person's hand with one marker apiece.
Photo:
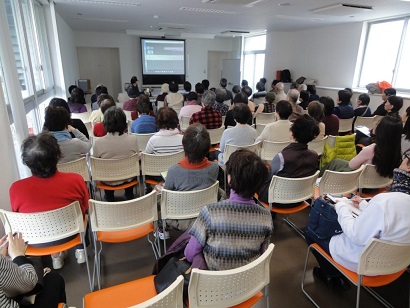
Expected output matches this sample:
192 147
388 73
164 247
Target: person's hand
405 164
70 128
3 251
356 201
17 246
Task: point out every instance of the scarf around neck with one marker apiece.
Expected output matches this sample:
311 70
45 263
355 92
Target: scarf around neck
61 135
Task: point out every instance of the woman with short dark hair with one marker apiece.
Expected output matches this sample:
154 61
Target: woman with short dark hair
315 111
77 101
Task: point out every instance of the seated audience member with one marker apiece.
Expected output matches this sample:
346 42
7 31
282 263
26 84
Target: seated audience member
330 120
116 145
238 99
273 85
19 277
47 189
223 83
145 123
269 106
199 89
205 83
236 89
168 138
187 89
76 123
255 109
97 115
384 217
77 101
98 128
260 86
312 90
57 121
405 138
296 160
244 83
70 89
131 104
393 105
190 107
380 110
363 109
315 111
100 89
174 99
292 98
220 97
280 129
280 92
233 232
384 153
304 99
164 92
344 109
302 87
133 90
208 117
241 133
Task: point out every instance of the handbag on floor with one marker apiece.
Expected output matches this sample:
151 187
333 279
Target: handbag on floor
323 220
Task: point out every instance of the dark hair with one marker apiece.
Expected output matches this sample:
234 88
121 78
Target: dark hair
263 80
77 96
244 82
205 83
328 104
105 104
304 94
275 82
260 86
221 95
387 152
100 90
315 110
102 97
241 113
167 118
236 89
350 91
247 172
192 96
71 88
305 129
364 98
311 88
59 102
134 79
115 120
344 97
173 87
293 85
247 90
270 97
142 105
406 127
41 154
396 101
56 118
196 143
284 109
223 82
390 91
187 86
240 98
199 88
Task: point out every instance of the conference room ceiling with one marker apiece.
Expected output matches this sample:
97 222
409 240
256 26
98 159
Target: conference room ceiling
209 18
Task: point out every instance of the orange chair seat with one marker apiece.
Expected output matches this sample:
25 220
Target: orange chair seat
250 302
44 251
374 193
151 182
126 235
368 281
122 295
290 210
101 185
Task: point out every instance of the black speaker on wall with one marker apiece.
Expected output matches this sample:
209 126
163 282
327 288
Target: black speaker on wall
85 85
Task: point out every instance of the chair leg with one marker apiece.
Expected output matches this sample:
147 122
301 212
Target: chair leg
303 278
164 224
359 284
293 226
90 281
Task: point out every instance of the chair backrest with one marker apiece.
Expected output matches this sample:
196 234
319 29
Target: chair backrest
78 166
230 287
369 178
365 121
128 115
170 297
228 103
216 134
83 116
259 100
89 127
184 123
114 169
345 125
260 128
265 118
271 148
381 257
45 227
123 215
230 148
317 145
154 164
160 104
142 140
186 204
291 190
334 182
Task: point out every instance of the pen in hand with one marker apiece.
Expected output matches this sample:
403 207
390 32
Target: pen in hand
7 241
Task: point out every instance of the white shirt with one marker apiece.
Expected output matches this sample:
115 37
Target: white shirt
278 131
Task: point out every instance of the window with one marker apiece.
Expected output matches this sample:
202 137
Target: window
254 59
387 54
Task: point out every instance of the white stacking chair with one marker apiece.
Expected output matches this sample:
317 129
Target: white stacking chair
345 125
80 167
334 182
228 103
265 118
216 134
184 123
259 100
142 140
317 145
233 287
369 122
160 104
369 178
260 128
271 148
186 204
83 116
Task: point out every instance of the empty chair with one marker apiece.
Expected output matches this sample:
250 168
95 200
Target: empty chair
265 118
142 140
184 123
240 286
334 182
369 178
216 134
271 148
345 126
317 145
230 148
365 121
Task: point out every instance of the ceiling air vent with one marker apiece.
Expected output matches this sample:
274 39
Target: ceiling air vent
342 9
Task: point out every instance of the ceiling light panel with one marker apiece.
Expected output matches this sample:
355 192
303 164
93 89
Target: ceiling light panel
202 10
107 2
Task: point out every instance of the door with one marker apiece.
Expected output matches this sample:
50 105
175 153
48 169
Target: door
231 70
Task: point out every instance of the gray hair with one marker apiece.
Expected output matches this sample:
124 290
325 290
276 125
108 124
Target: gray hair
280 86
208 98
293 95
302 87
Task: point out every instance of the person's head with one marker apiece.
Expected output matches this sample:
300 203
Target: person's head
246 172
100 90
328 104
388 92
279 87
315 110
192 96
208 98
240 98
106 104
115 120
220 95
77 96
41 154
241 113
59 102
274 83
165 88
393 104
387 152
102 97
302 87
283 109
205 83
71 88
236 89
143 103
167 118
363 100
199 88
173 87
293 85
304 129
187 86
247 90
134 80
350 91
196 143
304 96
223 83
343 97
56 119
244 82
260 86
293 96
263 80
311 88
270 97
